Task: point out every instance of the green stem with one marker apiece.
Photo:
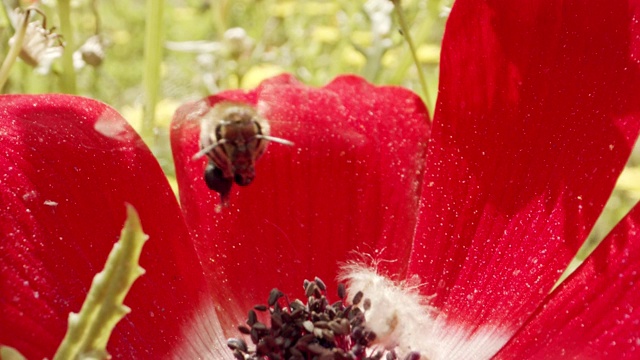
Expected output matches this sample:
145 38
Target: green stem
374 56
14 51
152 60
96 16
68 77
9 353
407 35
220 16
6 10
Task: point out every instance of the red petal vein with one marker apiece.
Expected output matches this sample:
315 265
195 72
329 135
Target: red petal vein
349 185
595 313
539 107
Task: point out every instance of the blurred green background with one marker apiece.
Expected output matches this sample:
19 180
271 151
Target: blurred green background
207 46
210 46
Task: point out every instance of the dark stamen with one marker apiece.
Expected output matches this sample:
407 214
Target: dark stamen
274 295
366 305
311 330
412 356
320 284
237 344
252 318
261 307
357 298
342 291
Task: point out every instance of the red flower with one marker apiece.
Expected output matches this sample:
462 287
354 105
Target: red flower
538 109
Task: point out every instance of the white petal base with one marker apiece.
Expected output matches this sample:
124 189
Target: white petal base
203 336
403 320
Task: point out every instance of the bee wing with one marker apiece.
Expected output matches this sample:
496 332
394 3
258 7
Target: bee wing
208 125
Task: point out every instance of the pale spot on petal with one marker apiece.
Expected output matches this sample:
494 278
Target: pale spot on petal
118 129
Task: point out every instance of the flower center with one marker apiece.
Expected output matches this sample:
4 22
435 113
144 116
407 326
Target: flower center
312 330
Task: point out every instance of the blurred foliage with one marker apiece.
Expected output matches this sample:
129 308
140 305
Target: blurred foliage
213 45
625 195
217 45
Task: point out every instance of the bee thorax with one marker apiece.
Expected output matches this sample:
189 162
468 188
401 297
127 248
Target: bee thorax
233 136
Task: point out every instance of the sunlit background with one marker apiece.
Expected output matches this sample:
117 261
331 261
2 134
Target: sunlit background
207 46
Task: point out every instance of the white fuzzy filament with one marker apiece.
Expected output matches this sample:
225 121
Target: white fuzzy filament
404 321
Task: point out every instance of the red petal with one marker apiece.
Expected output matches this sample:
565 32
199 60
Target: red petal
70 165
349 184
538 109
595 313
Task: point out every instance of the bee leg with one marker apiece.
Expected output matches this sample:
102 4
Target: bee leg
215 180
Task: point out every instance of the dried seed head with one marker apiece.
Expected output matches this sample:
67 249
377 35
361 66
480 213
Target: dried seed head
40 45
379 13
90 53
237 42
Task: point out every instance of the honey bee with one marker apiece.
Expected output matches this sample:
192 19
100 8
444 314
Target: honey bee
232 136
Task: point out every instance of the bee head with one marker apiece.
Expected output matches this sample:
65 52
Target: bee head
233 136
243 167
